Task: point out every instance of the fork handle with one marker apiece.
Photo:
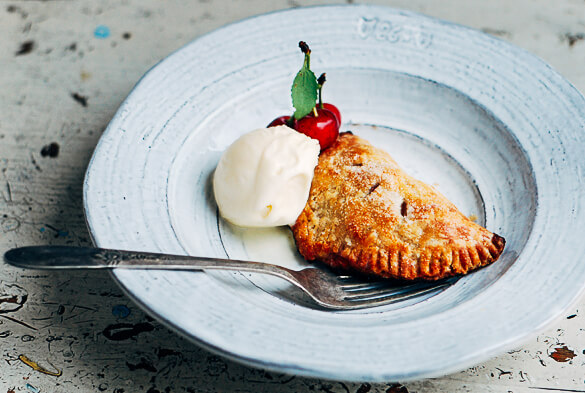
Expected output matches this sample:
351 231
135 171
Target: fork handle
67 257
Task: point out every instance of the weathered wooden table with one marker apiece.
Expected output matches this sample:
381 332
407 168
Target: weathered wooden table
65 66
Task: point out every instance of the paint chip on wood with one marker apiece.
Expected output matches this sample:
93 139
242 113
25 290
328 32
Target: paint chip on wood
562 354
50 150
82 100
25 48
101 32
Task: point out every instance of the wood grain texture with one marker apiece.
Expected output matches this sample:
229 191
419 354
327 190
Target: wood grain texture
52 62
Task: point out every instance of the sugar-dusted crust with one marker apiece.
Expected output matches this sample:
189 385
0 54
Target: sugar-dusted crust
366 214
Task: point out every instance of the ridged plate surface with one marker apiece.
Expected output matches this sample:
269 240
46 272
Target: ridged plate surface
491 126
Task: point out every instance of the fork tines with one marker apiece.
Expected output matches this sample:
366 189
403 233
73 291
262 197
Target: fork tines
385 290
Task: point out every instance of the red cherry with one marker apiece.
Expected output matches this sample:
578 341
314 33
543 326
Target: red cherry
280 121
323 127
332 108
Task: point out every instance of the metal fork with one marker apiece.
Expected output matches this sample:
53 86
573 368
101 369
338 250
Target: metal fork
325 288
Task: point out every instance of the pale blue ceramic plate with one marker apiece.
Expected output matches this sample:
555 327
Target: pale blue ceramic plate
491 126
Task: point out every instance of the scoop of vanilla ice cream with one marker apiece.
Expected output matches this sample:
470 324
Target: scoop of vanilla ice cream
263 179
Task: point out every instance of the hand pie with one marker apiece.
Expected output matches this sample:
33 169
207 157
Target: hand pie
366 214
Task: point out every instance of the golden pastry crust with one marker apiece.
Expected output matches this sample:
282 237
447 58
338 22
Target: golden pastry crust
366 214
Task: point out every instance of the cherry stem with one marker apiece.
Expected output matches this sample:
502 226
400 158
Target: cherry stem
315 111
321 81
290 121
305 49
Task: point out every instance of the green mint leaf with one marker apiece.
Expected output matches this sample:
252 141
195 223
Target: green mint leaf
304 91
